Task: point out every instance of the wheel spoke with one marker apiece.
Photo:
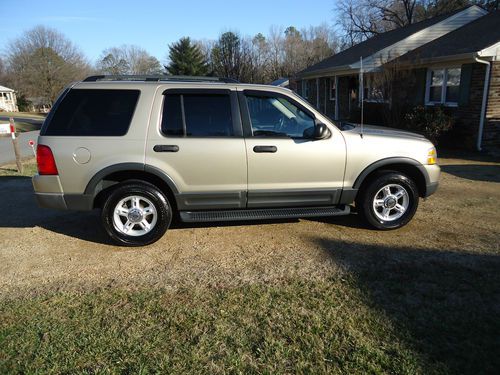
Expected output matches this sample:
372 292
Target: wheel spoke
145 225
400 208
379 203
127 226
387 191
400 193
122 211
135 202
385 212
148 211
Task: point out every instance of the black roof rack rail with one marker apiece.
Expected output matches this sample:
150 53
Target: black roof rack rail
157 78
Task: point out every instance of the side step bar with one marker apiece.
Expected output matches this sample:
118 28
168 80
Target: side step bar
263 214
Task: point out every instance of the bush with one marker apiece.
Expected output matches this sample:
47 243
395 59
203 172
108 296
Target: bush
429 121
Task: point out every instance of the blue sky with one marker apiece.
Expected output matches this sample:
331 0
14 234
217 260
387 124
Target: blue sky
95 25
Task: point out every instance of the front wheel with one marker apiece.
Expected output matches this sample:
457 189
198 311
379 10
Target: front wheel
136 213
388 201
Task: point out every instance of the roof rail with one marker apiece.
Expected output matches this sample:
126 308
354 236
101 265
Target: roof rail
157 78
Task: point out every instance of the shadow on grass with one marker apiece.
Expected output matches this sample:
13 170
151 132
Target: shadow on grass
444 304
23 212
478 172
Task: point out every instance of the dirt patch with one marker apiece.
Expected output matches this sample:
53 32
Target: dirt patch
43 250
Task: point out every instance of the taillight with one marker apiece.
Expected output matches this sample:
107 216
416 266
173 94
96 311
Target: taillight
45 161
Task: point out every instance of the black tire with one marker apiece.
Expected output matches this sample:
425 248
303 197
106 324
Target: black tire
371 190
149 195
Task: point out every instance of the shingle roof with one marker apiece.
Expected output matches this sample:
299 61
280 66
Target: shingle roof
473 37
375 44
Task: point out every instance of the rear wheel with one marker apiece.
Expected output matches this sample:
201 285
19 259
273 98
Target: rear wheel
136 213
388 201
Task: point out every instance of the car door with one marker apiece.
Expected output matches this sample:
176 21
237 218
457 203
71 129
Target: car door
195 139
286 166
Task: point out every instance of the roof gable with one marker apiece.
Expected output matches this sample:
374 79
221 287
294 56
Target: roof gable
392 44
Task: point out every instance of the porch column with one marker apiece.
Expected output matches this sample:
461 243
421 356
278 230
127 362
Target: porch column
336 97
317 93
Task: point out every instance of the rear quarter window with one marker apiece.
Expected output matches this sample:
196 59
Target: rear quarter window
87 112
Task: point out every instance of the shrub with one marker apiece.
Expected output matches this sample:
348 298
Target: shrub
429 121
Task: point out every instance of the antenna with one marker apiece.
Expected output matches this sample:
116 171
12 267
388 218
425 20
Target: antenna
361 92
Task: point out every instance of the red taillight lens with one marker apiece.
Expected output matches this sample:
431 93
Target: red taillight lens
45 161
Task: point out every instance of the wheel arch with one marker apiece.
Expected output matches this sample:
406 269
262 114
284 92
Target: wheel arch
411 167
103 181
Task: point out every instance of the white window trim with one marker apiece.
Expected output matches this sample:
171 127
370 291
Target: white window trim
429 102
334 80
305 89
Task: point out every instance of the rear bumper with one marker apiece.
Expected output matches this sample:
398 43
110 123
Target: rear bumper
58 201
49 194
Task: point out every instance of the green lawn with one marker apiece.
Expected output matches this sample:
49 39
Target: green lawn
29 165
37 116
371 322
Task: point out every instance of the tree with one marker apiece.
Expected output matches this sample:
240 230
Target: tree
226 56
186 58
42 62
128 59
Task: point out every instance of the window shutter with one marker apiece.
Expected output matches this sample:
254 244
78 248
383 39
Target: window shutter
420 82
465 80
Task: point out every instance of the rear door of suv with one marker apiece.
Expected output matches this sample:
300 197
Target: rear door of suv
195 138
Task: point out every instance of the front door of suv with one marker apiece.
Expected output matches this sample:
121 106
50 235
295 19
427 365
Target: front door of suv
195 138
286 166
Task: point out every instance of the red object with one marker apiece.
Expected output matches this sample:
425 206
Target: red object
12 129
45 161
31 142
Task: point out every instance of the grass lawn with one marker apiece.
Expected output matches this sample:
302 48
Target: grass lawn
36 116
382 307
11 169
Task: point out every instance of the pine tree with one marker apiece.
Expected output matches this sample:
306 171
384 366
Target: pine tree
186 59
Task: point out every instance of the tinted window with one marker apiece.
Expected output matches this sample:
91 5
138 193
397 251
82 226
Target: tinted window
205 115
276 116
94 113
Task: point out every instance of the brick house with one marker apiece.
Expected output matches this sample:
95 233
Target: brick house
452 60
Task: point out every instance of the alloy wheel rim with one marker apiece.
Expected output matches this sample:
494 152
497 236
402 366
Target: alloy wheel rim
391 202
135 216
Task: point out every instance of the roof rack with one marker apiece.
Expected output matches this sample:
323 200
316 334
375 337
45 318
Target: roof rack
157 78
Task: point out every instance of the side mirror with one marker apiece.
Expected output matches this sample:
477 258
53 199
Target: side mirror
321 131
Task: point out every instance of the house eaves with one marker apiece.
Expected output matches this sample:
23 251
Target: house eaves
374 61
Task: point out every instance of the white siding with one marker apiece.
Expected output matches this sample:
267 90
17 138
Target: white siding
422 37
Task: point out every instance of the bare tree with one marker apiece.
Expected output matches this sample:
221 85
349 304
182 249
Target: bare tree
128 59
42 61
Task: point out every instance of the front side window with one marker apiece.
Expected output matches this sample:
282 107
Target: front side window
197 115
84 112
443 86
278 117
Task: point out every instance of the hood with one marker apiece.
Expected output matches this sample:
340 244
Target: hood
381 131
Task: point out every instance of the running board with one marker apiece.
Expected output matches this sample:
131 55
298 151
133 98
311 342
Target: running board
263 214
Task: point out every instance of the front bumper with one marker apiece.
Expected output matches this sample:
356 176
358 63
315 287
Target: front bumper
432 179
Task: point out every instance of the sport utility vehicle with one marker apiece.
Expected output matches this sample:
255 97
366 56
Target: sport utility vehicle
147 149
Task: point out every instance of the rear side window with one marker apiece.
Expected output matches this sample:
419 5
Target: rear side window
197 115
93 113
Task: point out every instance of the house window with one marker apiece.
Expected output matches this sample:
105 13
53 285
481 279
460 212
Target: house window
374 90
443 86
332 88
305 89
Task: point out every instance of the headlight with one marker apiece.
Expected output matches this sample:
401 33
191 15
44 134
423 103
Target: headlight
432 156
